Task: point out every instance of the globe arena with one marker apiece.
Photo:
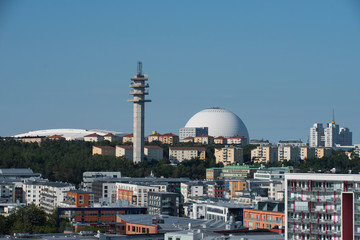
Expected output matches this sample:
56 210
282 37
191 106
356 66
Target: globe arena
220 122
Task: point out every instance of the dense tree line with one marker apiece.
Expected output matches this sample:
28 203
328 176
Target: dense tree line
67 160
30 219
338 160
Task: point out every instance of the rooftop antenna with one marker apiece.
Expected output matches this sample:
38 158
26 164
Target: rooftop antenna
139 69
333 117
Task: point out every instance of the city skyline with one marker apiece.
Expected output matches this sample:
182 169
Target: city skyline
279 66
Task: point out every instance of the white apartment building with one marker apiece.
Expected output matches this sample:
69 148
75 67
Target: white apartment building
90 177
322 206
264 154
52 194
270 174
317 138
192 189
331 134
32 192
109 191
135 194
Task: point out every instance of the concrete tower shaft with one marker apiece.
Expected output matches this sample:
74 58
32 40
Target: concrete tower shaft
139 86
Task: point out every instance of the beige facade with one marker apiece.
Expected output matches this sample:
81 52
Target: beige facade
220 140
154 137
32 139
229 155
307 153
188 139
322 152
264 154
150 152
204 139
124 151
167 138
103 150
288 153
179 154
153 152
128 138
93 138
238 140
111 137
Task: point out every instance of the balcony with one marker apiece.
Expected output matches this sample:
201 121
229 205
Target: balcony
139 85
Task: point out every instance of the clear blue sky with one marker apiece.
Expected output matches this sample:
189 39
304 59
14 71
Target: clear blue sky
279 65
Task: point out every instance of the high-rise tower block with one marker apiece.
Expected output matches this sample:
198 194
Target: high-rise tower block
139 86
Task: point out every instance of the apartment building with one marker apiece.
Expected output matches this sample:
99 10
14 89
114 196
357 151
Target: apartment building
288 153
191 132
134 193
128 138
179 154
220 140
164 203
153 152
124 151
103 150
111 137
321 152
192 189
78 198
215 189
93 138
229 155
204 139
32 192
188 139
307 153
322 206
264 154
265 215
52 194
237 140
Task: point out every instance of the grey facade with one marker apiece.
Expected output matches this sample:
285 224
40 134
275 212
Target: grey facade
164 203
192 132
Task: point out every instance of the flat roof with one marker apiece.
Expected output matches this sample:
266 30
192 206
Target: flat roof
323 176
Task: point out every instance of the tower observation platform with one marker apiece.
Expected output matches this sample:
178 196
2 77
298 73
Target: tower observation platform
139 86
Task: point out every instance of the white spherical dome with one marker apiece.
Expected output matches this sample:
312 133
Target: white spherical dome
220 122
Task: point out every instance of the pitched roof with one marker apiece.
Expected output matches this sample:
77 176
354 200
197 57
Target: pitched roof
125 146
152 147
219 137
104 147
188 138
169 135
188 148
129 135
93 135
110 135
236 137
155 134
203 135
